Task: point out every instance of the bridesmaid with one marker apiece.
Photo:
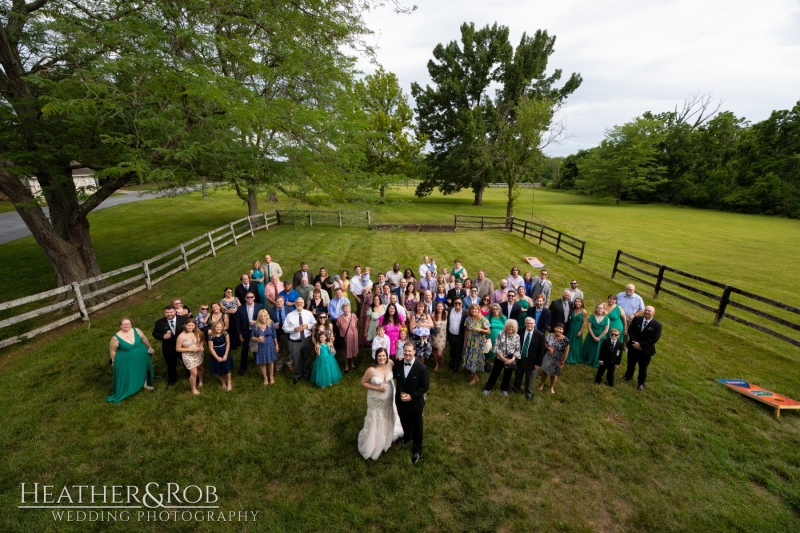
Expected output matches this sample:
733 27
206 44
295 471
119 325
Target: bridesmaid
458 271
616 318
598 329
257 277
497 322
579 316
130 352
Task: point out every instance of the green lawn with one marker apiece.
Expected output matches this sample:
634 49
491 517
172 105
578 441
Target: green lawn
685 455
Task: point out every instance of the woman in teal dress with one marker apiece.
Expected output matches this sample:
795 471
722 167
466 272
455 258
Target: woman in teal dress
326 370
496 324
616 317
477 327
577 326
257 278
130 352
598 329
524 303
458 271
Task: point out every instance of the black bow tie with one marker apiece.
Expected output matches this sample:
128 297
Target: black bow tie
408 364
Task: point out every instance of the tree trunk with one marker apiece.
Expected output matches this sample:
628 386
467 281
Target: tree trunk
510 203
273 198
478 190
204 188
252 201
383 194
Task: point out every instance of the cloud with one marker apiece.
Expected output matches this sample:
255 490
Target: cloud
634 56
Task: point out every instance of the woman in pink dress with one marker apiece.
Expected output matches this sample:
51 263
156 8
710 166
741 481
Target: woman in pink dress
391 325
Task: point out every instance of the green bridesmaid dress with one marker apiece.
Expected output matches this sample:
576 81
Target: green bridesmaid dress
575 341
131 367
591 349
615 321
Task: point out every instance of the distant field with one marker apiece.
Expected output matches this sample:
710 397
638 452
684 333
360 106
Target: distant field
685 455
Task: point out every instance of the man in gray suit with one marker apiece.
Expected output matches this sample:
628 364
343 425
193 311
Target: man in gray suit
485 285
542 286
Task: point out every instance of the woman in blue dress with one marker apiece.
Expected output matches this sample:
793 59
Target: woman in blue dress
257 278
264 334
326 370
219 344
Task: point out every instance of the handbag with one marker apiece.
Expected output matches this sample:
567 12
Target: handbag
253 343
487 345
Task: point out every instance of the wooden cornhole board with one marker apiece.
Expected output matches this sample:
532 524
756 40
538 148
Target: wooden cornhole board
773 399
534 262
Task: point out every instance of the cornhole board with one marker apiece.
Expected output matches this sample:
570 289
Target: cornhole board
773 399
534 262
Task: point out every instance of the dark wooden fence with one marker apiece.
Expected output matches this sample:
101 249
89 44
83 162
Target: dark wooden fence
562 242
697 291
325 218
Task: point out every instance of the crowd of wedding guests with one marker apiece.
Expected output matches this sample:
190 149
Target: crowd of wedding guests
518 327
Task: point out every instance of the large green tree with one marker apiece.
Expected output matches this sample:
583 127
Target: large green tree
457 113
390 143
626 162
245 90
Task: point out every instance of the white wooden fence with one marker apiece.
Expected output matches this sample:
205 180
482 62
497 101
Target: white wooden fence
146 274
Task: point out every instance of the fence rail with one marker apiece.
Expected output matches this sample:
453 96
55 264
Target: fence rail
325 218
94 294
562 242
697 291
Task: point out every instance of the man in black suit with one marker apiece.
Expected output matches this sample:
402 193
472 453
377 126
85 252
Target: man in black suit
560 311
540 314
643 334
166 330
297 280
455 292
241 290
412 384
246 316
510 308
456 330
610 357
531 356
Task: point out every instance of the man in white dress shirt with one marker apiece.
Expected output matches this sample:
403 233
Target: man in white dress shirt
455 333
574 290
356 288
298 325
630 302
428 265
394 276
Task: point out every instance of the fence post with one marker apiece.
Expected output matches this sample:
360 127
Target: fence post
250 221
659 279
455 221
483 222
723 304
233 233
310 223
616 264
277 218
146 269
211 243
266 222
369 220
541 234
79 298
583 246
525 230
340 219
558 242
185 260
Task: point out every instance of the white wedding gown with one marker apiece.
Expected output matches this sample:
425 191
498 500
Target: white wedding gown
381 425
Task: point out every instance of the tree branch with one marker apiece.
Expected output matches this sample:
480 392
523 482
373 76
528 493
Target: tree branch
102 193
33 6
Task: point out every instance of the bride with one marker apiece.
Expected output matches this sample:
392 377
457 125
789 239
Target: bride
381 425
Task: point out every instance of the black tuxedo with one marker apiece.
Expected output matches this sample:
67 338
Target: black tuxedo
240 292
609 359
456 342
544 318
557 315
168 345
530 361
243 326
647 340
516 310
452 294
416 384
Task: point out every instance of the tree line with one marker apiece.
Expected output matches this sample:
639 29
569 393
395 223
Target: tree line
695 156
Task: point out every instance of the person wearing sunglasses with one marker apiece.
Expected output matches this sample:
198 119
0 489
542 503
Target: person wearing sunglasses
246 316
610 357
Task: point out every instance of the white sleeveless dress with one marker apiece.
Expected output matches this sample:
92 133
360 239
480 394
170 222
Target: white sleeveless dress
381 425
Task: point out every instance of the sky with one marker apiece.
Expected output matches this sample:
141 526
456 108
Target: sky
633 56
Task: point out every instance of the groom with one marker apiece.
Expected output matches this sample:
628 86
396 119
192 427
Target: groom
412 384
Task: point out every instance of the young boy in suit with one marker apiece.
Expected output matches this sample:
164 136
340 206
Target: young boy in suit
610 357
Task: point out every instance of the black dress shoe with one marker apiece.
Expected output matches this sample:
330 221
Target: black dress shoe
529 398
415 458
294 381
641 386
400 441
626 378
514 390
241 372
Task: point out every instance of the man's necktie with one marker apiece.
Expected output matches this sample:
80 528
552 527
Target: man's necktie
525 345
644 324
302 331
172 325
